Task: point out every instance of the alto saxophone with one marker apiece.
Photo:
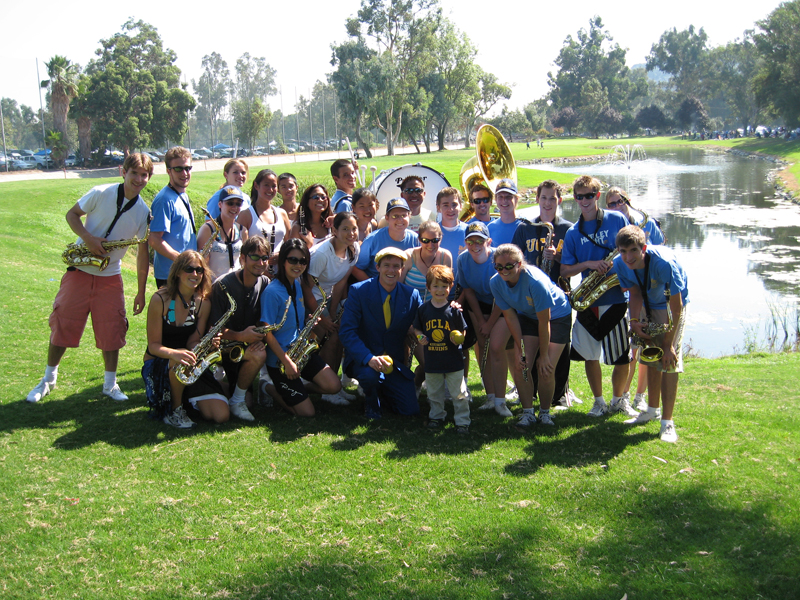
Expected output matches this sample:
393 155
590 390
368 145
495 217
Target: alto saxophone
546 264
206 354
235 350
650 352
596 284
301 349
79 255
214 233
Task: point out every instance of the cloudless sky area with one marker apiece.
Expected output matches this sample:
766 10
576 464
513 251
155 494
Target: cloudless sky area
518 44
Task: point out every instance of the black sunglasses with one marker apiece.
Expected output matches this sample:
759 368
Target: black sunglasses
615 204
293 260
507 267
429 240
589 196
258 257
233 202
181 169
481 200
190 269
413 191
319 197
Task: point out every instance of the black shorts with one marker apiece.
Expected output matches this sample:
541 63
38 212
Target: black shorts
293 391
559 328
471 338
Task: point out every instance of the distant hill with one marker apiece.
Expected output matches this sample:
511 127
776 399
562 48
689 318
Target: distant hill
656 75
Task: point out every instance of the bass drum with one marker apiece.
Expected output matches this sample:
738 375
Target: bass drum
386 186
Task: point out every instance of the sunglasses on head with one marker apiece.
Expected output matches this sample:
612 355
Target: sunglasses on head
430 240
481 200
258 257
293 260
181 169
507 267
589 196
190 269
415 190
615 203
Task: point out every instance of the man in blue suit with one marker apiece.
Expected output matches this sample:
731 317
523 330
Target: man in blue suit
377 317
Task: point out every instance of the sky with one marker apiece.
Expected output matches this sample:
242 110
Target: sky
518 44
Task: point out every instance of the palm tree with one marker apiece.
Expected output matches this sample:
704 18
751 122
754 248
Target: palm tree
80 111
63 84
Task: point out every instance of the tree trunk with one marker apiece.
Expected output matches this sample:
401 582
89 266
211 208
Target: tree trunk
441 132
85 138
59 104
367 150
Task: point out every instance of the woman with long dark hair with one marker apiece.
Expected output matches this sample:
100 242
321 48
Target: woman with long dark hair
314 216
264 219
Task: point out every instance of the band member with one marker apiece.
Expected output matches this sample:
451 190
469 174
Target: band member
264 219
343 172
480 198
531 238
173 228
651 274
365 207
293 260
448 204
376 321
395 235
245 286
287 188
603 327
236 172
503 228
223 254
177 318
113 212
315 218
537 312
412 190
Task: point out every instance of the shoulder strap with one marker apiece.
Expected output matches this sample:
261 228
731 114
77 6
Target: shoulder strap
120 209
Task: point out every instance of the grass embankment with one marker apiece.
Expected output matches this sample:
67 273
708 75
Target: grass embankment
101 502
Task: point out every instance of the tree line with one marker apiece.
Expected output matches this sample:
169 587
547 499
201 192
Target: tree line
407 71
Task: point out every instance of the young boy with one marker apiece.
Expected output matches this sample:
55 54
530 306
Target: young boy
440 330
448 204
343 172
655 281
503 228
480 197
287 188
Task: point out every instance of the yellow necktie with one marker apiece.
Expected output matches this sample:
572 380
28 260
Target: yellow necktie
387 311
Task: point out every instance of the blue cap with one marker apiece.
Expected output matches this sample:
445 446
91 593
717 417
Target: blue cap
477 228
506 185
397 203
231 191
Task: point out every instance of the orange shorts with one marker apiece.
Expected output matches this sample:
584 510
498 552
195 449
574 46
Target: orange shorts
80 294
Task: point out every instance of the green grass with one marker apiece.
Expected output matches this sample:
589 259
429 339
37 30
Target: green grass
100 502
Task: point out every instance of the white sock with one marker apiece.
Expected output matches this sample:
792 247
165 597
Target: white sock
666 422
530 410
651 411
499 400
596 398
51 374
238 395
543 411
615 399
109 379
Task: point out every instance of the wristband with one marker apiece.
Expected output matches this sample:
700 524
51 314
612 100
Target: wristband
420 337
634 320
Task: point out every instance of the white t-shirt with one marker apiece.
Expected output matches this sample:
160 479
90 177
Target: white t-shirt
328 268
100 206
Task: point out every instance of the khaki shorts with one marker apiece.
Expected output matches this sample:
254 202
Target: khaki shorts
81 294
660 316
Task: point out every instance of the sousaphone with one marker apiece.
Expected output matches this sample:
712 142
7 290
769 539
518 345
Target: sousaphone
492 162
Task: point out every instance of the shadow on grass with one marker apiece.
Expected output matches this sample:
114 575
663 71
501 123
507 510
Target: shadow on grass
686 544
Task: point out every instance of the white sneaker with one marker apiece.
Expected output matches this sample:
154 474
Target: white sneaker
624 406
512 395
526 420
545 418
488 405
668 433
469 396
599 409
240 410
41 390
179 419
573 398
264 397
501 409
347 395
641 418
337 399
115 393
640 402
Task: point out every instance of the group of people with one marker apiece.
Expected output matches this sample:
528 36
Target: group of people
287 295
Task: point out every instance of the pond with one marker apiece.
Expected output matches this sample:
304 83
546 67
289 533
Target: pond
739 243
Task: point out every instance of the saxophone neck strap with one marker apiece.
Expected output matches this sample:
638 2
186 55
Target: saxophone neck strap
185 201
599 222
121 210
646 286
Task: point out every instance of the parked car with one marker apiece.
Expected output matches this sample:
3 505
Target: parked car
70 161
154 157
22 165
196 156
44 161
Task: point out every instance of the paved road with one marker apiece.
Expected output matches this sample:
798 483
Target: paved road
215 164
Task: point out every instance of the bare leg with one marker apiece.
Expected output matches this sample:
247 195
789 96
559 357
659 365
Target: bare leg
525 388
595 377
110 359
54 355
653 387
214 409
641 386
635 352
249 369
618 378
669 390
547 384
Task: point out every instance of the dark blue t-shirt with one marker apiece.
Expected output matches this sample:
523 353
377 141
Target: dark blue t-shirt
441 354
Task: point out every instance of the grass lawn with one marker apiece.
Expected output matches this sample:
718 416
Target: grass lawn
101 502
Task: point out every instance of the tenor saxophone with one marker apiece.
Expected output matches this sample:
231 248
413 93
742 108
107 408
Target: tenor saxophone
301 349
235 350
79 255
650 352
206 353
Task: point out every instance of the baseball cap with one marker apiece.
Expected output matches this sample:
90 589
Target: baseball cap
478 229
231 191
397 203
506 185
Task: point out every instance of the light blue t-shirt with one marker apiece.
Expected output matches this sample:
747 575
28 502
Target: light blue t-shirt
341 202
213 203
533 292
377 241
476 276
273 305
502 233
172 215
453 240
579 248
663 270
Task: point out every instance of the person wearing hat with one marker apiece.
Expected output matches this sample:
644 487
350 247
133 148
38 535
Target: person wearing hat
222 255
236 173
505 197
412 190
377 318
395 235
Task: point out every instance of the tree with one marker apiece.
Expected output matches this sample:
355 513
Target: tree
488 92
250 119
651 117
536 113
63 86
58 147
682 54
134 98
567 118
735 67
778 78
212 91
512 123
80 111
255 79
692 114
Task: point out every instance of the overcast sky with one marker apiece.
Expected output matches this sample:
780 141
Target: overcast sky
518 44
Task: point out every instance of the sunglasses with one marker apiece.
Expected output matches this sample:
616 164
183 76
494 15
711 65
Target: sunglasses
319 197
233 202
589 196
481 200
429 240
507 267
190 269
293 260
476 241
413 191
181 169
615 204
258 257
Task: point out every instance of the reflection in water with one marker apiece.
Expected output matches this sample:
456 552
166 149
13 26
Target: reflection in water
739 244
